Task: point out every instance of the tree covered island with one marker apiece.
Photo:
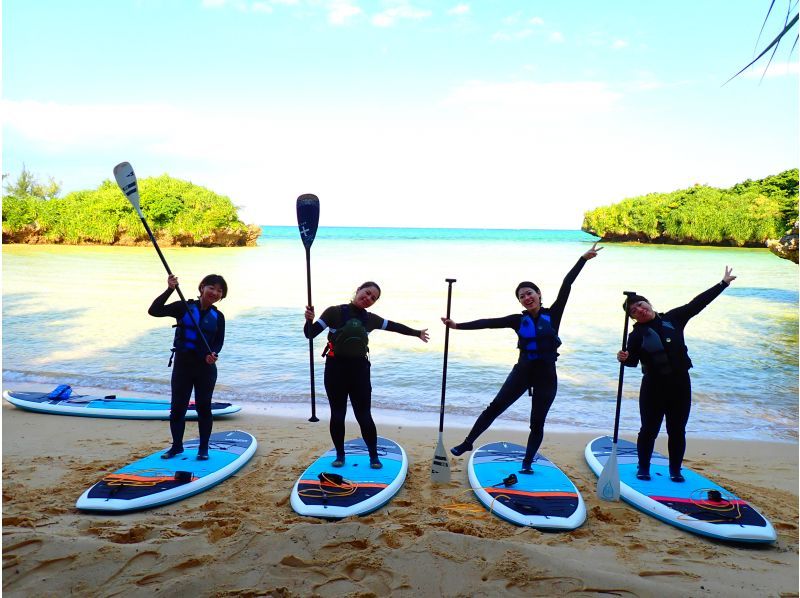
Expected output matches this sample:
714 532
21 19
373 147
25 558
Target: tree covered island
749 214
179 213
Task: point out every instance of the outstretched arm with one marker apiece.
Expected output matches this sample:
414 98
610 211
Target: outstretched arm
557 308
699 303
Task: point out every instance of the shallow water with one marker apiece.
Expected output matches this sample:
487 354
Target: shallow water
78 315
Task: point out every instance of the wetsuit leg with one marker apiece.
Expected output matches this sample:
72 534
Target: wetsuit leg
361 400
545 385
206 379
337 390
182 384
651 411
517 382
678 406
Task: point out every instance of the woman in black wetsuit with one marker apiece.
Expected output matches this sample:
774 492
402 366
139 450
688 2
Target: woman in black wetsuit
195 368
666 390
347 363
537 329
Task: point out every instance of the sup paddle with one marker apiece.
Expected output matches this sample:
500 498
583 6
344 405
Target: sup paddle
307 222
608 482
126 179
440 469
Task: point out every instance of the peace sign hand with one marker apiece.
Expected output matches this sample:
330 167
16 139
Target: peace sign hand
592 252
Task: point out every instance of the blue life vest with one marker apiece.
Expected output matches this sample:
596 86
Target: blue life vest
186 337
537 340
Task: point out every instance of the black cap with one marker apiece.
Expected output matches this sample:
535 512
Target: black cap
631 300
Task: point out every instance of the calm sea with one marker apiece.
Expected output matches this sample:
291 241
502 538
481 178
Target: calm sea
78 315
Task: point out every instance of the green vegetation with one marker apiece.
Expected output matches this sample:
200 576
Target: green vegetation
178 212
747 214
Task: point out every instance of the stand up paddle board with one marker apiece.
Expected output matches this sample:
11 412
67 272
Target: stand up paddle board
110 406
546 499
697 505
154 481
354 489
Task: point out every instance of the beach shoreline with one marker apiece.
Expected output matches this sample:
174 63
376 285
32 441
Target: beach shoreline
241 538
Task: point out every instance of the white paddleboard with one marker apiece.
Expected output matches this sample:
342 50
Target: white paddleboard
354 489
697 505
153 481
546 499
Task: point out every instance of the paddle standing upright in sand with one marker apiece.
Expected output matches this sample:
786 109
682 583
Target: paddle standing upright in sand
307 222
440 470
608 482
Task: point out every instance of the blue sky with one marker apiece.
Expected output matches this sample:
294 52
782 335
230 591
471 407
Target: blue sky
496 113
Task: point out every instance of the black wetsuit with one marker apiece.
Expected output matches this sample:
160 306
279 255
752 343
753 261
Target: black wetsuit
537 374
666 390
190 371
350 376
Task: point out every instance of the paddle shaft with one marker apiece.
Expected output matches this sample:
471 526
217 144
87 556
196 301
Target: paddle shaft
177 288
313 417
450 282
622 366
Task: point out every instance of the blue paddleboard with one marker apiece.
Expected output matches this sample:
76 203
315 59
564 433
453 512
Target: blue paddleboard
546 499
153 481
697 505
110 406
354 489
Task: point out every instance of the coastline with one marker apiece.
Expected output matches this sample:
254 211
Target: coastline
242 537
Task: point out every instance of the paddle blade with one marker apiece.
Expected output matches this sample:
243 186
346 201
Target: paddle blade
608 483
126 179
308 217
440 470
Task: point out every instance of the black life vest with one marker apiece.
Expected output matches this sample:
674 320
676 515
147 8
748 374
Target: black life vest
657 361
186 337
351 339
537 340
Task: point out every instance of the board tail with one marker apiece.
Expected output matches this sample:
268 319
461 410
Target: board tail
440 469
608 482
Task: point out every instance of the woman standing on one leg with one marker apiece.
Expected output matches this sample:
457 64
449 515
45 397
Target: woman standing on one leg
347 366
195 368
537 329
666 390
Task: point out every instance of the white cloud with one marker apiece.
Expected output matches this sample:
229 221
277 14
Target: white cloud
536 21
388 17
618 44
504 36
340 12
557 37
460 9
776 69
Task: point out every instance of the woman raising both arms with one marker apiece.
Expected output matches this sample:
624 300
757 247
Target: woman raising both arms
537 332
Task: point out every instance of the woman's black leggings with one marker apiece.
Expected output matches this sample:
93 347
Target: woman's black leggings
667 397
191 372
350 377
538 375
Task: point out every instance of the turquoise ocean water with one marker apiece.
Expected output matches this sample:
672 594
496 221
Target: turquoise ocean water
78 315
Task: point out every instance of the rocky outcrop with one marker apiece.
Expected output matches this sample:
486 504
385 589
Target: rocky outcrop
786 247
224 237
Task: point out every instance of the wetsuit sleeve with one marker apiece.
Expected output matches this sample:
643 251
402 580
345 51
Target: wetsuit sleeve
401 328
634 348
681 315
511 321
327 319
557 308
160 309
219 338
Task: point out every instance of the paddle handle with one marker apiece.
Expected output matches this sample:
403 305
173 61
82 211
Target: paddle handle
628 295
177 287
313 417
450 282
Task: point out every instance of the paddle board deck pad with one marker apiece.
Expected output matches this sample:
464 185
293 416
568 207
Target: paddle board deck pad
697 505
110 406
153 481
354 489
546 499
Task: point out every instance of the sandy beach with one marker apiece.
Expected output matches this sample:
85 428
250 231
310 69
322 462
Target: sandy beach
241 538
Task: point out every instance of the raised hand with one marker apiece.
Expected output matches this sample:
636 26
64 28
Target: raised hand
592 253
729 277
